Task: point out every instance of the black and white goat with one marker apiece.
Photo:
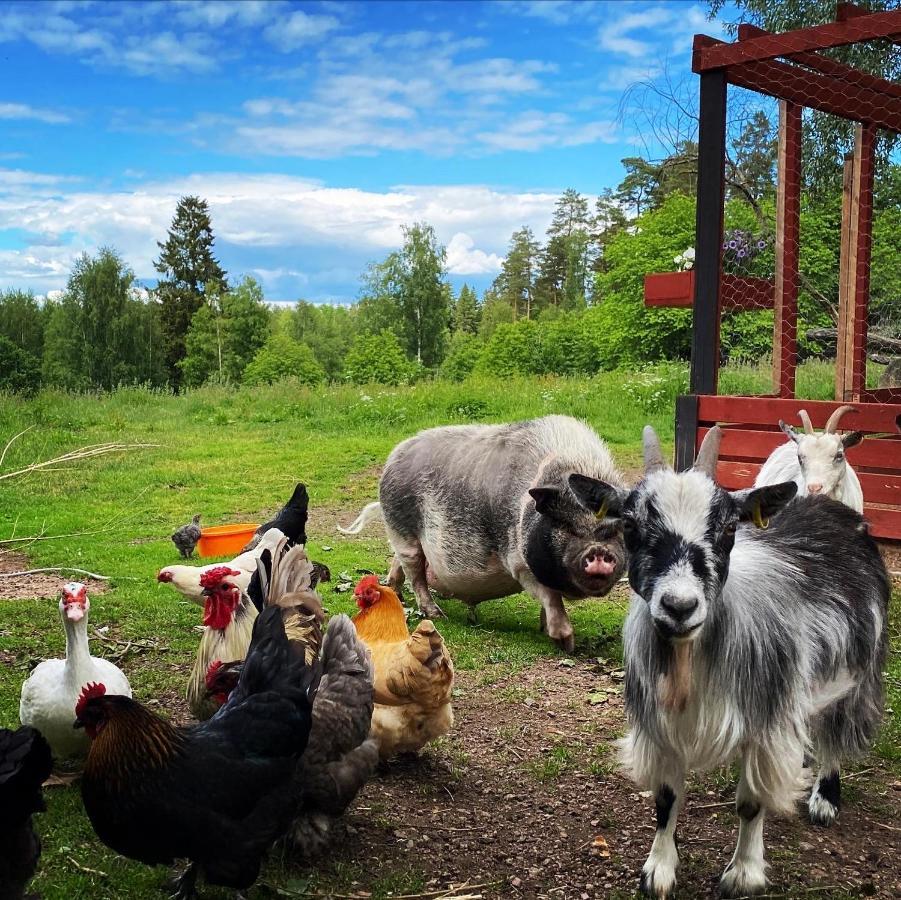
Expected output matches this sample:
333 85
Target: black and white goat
762 643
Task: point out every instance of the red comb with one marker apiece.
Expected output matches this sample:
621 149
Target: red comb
213 577
370 581
211 671
92 689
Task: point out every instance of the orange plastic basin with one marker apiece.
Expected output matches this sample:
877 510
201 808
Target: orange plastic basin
225 540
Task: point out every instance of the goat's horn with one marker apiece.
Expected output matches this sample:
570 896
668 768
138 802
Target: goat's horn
834 419
710 450
805 421
653 455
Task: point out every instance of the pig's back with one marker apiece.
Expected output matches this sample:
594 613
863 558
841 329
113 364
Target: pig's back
471 479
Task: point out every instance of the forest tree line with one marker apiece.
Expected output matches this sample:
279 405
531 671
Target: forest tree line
570 303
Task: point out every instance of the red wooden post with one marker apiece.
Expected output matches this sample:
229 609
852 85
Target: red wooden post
788 211
865 144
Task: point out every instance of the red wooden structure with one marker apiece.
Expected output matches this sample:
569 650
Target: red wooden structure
789 68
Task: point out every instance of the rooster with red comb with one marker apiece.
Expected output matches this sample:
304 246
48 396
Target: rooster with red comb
414 674
228 617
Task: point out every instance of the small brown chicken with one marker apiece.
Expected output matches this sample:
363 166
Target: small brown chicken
414 674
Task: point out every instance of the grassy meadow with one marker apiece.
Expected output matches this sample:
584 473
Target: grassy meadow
235 455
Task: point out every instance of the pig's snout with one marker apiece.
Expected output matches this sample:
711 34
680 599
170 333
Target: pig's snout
599 562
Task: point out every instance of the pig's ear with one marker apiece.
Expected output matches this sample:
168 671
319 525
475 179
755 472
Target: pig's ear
549 501
602 499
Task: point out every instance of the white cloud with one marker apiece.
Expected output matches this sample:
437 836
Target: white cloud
614 35
24 111
463 258
298 29
258 217
216 13
111 43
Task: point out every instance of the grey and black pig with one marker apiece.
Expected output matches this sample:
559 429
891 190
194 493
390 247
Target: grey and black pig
484 511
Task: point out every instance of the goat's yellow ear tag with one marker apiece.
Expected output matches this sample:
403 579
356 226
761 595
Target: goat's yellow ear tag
602 512
758 518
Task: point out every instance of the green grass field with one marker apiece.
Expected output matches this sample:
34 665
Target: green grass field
234 456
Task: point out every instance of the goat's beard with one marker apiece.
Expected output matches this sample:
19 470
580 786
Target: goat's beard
674 688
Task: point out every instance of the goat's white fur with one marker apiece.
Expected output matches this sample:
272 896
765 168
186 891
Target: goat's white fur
811 459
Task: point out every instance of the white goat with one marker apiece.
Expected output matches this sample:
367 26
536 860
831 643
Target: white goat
816 463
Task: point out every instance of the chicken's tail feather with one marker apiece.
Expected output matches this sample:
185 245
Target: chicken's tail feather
370 511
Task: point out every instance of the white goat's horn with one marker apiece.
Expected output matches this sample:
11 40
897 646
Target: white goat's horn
805 421
834 419
709 452
653 455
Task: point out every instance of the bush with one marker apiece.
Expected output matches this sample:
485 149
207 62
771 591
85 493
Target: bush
379 359
20 371
512 350
462 356
283 357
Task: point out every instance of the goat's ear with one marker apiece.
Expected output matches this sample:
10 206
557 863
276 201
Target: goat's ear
852 439
603 499
758 504
789 432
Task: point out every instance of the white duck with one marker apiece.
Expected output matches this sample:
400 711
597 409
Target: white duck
50 693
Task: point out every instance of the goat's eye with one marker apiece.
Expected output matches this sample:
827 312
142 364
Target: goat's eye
629 526
839 456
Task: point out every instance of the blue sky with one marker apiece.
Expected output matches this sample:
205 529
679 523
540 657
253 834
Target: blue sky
315 130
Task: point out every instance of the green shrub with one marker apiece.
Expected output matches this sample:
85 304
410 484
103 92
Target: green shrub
462 356
379 359
20 371
283 357
512 350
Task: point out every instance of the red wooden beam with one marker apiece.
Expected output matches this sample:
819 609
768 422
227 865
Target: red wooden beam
819 37
788 213
830 66
676 289
870 417
822 92
866 152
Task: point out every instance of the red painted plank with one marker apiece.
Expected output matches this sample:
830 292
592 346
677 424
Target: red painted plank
881 488
870 417
669 289
882 395
829 66
822 92
819 37
676 289
864 211
788 213
750 445
885 524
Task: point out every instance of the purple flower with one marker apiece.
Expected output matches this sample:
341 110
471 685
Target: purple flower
761 245
742 254
733 244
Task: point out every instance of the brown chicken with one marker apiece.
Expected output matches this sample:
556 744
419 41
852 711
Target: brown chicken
414 674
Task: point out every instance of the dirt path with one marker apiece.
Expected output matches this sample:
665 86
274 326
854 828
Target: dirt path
524 794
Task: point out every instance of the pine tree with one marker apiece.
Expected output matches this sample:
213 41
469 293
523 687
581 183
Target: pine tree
188 268
466 312
516 283
565 261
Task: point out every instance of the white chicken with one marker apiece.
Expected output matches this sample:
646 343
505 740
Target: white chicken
51 691
186 579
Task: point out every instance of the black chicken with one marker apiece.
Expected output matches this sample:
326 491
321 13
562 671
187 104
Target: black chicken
218 793
25 763
340 756
186 537
291 519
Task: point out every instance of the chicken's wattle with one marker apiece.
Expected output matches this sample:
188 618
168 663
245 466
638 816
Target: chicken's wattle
219 607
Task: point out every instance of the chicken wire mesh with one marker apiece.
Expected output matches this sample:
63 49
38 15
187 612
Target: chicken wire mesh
811 281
